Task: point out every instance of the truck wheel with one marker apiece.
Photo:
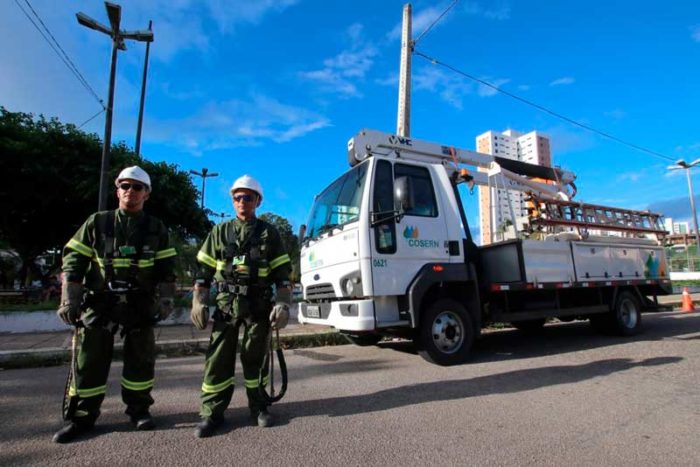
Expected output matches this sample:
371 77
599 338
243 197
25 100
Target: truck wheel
625 318
446 333
363 340
627 315
529 326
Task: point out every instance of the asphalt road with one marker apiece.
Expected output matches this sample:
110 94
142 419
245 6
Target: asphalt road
567 397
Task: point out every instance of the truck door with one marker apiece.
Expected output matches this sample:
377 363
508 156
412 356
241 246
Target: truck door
400 249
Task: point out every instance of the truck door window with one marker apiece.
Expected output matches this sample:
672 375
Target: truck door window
383 201
423 193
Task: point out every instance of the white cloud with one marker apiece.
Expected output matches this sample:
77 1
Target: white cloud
236 123
420 21
497 10
695 32
339 73
566 80
523 87
452 88
487 91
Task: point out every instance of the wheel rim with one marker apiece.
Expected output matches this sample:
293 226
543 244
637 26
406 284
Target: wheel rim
628 313
447 332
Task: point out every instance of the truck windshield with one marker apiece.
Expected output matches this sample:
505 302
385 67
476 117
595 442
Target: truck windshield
339 204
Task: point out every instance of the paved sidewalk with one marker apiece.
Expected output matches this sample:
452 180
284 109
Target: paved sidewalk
53 348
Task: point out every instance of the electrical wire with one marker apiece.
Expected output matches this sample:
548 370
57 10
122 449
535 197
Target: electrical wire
435 61
56 47
415 42
90 119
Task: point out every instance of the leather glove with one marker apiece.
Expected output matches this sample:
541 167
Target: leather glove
166 300
71 299
279 317
200 307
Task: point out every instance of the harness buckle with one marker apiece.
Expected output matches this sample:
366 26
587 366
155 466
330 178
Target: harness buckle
237 289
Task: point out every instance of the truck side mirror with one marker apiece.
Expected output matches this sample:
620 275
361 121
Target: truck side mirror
403 194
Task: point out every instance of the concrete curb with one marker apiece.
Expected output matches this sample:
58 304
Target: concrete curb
14 359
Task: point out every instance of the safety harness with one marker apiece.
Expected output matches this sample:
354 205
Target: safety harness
123 295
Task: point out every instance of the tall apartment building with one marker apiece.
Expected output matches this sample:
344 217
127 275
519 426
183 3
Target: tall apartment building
533 148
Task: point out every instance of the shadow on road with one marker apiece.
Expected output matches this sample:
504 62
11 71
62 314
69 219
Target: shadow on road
503 383
561 338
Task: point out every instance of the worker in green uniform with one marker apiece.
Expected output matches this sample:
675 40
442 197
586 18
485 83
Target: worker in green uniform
245 258
118 274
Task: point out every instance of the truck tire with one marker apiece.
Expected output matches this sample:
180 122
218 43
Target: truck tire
363 340
624 319
446 333
529 326
627 315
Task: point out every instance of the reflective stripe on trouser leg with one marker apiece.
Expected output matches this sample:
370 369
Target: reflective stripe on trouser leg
138 373
219 369
94 360
253 349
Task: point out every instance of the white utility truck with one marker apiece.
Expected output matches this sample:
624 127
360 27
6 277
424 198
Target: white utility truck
388 251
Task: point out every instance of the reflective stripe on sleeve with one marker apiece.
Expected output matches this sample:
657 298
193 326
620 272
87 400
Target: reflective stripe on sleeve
279 261
162 254
80 247
206 259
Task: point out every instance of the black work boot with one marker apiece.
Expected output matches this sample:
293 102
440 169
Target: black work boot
71 431
208 426
263 418
143 421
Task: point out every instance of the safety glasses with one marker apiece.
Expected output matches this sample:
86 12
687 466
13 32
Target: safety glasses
133 186
246 198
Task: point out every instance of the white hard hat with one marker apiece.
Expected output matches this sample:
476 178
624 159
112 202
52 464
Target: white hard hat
134 173
246 181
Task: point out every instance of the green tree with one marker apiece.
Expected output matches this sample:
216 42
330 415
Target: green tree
290 241
52 182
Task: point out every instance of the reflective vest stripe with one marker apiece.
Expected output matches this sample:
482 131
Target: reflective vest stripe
211 388
125 263
89 392
162 254
81 248
137 385
206 259
279 261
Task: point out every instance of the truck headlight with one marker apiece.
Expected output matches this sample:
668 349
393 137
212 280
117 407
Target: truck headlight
352 286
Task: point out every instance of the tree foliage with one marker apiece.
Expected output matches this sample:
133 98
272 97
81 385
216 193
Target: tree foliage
52 173
290 241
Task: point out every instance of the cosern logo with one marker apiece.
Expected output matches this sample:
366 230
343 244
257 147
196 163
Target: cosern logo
411 234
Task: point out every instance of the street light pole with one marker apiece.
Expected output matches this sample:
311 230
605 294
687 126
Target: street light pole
114 13
204 174
143 94
681 164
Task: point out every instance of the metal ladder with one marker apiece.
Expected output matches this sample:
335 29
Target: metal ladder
548 214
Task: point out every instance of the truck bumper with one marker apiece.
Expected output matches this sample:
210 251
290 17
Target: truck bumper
349 315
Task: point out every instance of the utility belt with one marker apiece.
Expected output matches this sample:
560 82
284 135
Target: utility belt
248 297
121 304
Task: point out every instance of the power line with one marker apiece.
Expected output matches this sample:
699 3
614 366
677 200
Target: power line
90 119
434 22
435 61
62 54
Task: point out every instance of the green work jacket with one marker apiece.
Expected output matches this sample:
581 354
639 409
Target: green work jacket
226 258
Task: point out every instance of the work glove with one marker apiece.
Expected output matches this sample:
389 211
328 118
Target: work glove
279 317
71 299
166 299
200 307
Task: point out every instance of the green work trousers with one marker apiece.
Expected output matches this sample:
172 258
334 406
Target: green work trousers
219 368
94 360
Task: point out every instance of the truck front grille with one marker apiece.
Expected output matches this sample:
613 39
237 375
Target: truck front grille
319 291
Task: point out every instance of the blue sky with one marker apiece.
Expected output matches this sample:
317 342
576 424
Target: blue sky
276 88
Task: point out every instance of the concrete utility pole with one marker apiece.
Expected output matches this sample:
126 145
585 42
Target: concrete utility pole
403 119
143 94
204 174
114 13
